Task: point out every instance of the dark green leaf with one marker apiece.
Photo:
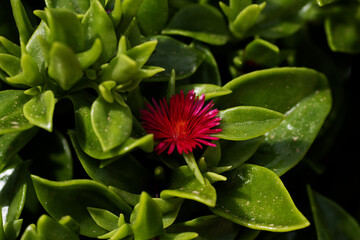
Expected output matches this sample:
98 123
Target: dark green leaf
11 143
12 118
73 197
13 186
201 22
119 174
10 47
210 227
172 54
40 109
262 53
10 64
152 16
343 30
332 222
245 122
235 153
129 11
255 197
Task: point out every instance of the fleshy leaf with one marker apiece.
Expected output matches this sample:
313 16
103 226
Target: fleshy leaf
13 182
245 122
343 30
64 66
201 22
262 53
89 141
112 123
73 197
104 218
255 197
30 233
90 56
10 47
235 153
22 21
146 219
152 16
12 118
129 11
302 94
172 54
48 228
40 109
98 25
78 6
184 184
332 221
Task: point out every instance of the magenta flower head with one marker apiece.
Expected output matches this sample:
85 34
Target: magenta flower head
184 123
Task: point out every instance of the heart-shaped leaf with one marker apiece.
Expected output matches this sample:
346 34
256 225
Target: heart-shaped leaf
112 123
40 109
255 197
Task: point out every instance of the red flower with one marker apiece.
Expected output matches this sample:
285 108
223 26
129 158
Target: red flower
184 123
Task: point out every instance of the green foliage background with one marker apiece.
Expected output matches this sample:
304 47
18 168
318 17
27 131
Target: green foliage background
326 39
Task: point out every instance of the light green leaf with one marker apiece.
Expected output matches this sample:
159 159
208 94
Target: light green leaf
201 22
146 218
30 233
179 236
22 21
120 69
12 118
129 11
90 56
184 184
104 218
142 52
255 197
10 64
98 25
73 197
10 47
112 123
64 66
65 27
331 221
78 6
48 228
245 122
40 109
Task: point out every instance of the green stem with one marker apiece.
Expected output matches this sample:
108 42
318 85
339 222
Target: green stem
191 162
